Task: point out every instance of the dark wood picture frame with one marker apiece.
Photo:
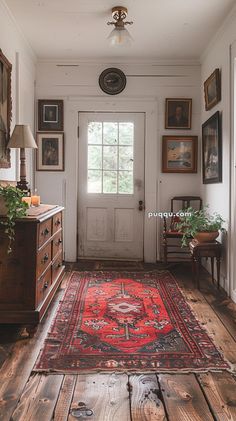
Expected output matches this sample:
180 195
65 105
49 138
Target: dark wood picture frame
51 115
178 113
50 152
5 110
212 150
179 154
212 90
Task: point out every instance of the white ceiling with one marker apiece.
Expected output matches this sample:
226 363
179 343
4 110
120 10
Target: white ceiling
77 29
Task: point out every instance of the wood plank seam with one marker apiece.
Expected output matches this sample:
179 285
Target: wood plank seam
64 399
205 396
162 396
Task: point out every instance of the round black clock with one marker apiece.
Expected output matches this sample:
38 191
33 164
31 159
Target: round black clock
112 81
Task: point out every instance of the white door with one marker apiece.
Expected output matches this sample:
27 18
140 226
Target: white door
111 185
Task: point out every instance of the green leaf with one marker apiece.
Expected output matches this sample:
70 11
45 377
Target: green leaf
15 209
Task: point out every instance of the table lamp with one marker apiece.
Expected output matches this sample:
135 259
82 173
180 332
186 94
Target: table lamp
22 138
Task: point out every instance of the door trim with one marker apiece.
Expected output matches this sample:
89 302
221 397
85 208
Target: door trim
151 163
232 208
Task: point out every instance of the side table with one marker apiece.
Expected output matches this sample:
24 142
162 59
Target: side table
199 250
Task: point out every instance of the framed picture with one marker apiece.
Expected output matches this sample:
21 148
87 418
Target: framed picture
212 150
50 115
179 154
50 152
178 114
5 110
212 90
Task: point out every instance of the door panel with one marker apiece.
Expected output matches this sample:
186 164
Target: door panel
111 184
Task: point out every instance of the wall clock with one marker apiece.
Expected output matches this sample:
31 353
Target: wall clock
112 81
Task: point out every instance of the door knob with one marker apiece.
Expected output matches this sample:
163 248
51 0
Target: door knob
140 205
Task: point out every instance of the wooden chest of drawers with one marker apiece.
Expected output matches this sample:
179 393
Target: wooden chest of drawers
31 274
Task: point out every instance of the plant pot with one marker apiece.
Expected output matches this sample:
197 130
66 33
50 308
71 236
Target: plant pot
3 208
206 236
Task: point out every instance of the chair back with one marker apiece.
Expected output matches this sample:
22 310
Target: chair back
184 202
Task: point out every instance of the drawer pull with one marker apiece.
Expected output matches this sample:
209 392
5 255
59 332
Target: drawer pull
58 222
45 285
57 266
45 232
45 258
57 243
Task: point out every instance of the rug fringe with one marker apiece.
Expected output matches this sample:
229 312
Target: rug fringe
138 373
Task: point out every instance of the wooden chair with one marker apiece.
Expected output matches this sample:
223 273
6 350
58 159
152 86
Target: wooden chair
170 232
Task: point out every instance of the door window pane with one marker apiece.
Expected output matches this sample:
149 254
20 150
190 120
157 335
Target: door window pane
126 133
94 132
125 158
126 182
109 182
110 133
109 157
94 157
94 181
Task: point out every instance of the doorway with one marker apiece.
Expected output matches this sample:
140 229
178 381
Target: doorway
111 185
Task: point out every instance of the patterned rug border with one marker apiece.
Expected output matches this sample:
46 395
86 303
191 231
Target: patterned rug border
231 367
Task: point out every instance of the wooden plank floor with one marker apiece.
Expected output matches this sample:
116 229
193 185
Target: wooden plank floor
26 396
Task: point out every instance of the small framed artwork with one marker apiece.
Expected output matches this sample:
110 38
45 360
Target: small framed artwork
212 90
50 152
5 110
179 154
50 115
178 114
212 150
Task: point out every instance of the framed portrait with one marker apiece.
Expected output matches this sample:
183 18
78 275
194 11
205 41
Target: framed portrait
50 152
178 113
212 150
179 154
50 115
212 90
5 110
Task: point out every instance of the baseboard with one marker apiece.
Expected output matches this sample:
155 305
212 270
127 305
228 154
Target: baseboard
233 295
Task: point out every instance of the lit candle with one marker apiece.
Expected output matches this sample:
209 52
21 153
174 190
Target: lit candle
26 199
35 200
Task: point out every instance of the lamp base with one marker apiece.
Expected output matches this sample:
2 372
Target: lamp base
23 185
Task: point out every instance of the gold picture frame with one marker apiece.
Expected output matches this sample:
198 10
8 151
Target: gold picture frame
5 110
178 113
212 90
179 154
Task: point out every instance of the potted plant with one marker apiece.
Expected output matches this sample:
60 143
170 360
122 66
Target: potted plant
200 225
11 208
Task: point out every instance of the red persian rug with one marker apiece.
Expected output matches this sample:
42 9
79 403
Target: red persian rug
126 321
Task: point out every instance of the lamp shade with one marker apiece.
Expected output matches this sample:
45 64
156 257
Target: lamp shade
22 137
119 36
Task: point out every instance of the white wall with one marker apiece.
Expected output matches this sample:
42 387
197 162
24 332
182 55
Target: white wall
79 84
217 55
20 55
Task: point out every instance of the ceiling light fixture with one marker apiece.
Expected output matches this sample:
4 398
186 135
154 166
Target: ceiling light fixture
119 36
